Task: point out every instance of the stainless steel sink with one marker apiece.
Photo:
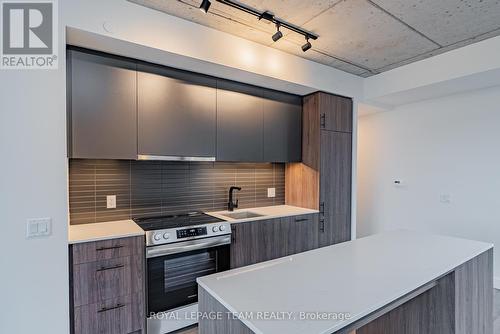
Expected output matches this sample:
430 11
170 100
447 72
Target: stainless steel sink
241 215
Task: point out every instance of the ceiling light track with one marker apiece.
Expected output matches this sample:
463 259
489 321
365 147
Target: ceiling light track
268 16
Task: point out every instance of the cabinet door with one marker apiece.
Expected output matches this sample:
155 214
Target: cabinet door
257 241
239 122
102 107
302 233
335 187
176 113
282 127
335 113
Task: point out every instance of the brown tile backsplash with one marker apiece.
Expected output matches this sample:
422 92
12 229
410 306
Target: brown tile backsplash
149 188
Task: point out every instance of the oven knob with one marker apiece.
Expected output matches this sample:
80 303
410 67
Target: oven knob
157 237
166 235
222 228
215 229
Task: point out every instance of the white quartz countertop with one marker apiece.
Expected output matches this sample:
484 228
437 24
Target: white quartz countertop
357 277
103 231
266 212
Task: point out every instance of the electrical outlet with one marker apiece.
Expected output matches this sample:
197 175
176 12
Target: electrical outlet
111 202
271 192
38 227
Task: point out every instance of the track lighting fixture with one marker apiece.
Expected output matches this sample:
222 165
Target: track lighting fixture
205 5
265 16
278 33
306 46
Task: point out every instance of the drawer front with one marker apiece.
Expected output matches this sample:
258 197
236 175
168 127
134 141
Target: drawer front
101 280
107 249
122 315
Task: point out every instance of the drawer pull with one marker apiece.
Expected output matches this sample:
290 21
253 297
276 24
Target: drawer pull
193 296
110 268
299 220
105 309
109 248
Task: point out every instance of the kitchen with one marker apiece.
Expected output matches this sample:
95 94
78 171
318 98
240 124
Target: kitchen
199 179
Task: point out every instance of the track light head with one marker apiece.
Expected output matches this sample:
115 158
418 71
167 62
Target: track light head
278 34
205 5
306 46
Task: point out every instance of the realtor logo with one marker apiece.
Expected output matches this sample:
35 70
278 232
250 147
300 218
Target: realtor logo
29 35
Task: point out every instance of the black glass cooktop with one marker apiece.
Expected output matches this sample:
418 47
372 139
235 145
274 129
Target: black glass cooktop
173 221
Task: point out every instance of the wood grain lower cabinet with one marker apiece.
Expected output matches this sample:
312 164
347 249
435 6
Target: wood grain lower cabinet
265 240
303 233
114 316
107 286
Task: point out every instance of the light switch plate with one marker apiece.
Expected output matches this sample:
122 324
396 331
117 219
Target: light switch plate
271 192
111 202
38 227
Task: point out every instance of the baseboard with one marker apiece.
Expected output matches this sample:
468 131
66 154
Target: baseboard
496 282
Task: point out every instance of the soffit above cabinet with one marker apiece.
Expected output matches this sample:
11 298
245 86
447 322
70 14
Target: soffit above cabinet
362 37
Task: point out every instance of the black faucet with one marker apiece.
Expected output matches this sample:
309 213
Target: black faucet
231 205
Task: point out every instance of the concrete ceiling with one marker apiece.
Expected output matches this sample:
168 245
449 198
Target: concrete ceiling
362 37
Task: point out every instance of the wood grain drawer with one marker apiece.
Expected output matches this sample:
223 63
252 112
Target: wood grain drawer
122 315
95 282
107 249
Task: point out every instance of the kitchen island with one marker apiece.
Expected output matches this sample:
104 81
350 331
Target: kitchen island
396 282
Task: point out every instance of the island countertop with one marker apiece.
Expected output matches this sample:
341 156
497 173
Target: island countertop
355 278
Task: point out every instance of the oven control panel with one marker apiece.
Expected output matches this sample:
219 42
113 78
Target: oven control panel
191 232
167 236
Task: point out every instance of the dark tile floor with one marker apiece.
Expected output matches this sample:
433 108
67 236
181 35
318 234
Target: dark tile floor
496 317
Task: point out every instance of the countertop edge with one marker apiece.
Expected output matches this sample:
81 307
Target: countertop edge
105 237
298 212
93 232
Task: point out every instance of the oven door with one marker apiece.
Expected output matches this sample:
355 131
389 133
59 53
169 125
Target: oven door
172 270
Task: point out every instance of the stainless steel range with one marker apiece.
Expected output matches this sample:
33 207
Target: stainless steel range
180 248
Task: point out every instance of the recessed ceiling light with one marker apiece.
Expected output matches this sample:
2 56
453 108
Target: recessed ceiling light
205 5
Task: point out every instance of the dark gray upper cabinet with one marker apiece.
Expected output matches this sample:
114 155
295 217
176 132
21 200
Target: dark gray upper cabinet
101 107
176 113
282 127
119 109
335 113
240 120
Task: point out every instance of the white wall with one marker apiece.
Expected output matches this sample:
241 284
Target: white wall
449 146
33 173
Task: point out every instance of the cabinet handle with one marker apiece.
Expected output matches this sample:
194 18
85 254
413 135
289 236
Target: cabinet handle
233 234
323 120
110 268
105 309
301 220
108 248
322 208
322 225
